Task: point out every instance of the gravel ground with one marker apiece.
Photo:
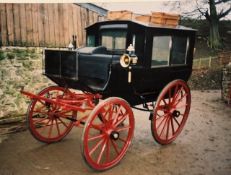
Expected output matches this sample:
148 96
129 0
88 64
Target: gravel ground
203 148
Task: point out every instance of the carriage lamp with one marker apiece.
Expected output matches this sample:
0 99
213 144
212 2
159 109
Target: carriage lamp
131 51
127 59
70 46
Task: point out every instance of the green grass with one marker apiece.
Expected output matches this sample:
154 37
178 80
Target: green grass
10 55
2 55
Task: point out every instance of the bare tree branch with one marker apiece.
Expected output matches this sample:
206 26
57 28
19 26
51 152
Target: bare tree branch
224 13
205 14
221 1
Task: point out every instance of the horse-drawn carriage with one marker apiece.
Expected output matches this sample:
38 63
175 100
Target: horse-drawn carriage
124 64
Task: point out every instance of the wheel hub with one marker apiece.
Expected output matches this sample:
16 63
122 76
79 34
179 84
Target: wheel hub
176 113
114 135
53 114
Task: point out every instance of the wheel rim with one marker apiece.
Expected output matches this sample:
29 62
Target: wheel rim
171 112
48 122
107 133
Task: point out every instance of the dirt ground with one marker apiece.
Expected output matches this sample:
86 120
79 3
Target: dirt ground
203 148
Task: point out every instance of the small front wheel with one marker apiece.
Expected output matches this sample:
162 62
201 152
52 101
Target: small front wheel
107 133
48 122
171 112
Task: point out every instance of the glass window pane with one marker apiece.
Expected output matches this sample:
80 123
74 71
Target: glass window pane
120 40
161 50
114 40
90 40
107 41
179 49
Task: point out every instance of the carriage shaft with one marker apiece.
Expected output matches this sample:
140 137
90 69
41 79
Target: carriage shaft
61 103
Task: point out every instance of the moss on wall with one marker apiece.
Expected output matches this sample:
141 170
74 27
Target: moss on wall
19 67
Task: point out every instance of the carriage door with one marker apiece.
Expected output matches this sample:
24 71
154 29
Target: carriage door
153 70
160 60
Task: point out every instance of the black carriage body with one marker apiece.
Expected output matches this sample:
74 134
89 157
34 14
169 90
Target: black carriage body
164 54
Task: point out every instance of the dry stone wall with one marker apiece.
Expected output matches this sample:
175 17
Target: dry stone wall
19 67
226 83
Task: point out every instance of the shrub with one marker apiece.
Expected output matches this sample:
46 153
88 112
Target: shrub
2 55
10 55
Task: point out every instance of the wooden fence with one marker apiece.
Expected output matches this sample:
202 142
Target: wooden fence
203 63
220 60
50 25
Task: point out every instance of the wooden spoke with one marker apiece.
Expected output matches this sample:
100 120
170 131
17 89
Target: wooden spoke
57 126
101 151
173 130
176 121
97 127
44 118
165 118
96 146
111 143
164 126
123 128
168 121
62 122
108 151
168 128
178 101
96 137
115 146
50 129
122 139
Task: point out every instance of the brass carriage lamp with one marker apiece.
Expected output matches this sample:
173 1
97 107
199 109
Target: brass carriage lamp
130 58
131 51
126 60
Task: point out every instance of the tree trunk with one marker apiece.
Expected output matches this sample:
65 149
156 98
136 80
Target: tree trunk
214 36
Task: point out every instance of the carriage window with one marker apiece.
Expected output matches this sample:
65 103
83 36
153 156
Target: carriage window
90 40
114 40
161 50
179 50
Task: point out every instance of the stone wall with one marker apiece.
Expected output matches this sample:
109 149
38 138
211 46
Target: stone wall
226 83
19 67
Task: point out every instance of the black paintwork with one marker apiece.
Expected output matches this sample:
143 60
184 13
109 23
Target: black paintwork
97 70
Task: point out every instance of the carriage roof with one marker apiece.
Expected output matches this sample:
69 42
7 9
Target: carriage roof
141 24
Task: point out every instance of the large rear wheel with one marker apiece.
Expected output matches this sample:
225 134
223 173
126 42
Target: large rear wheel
171 112
107 133
49 122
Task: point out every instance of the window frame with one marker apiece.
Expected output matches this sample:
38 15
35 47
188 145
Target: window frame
113 42
170 52
185 57
88 39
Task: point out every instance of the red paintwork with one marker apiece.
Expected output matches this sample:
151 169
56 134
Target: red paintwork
100 150
72 102
48 112
109 127
174 97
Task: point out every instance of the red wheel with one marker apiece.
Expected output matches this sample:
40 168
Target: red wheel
171 112
48 122
107 133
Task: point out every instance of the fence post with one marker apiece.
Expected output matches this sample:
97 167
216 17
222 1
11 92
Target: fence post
210 60
199 63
